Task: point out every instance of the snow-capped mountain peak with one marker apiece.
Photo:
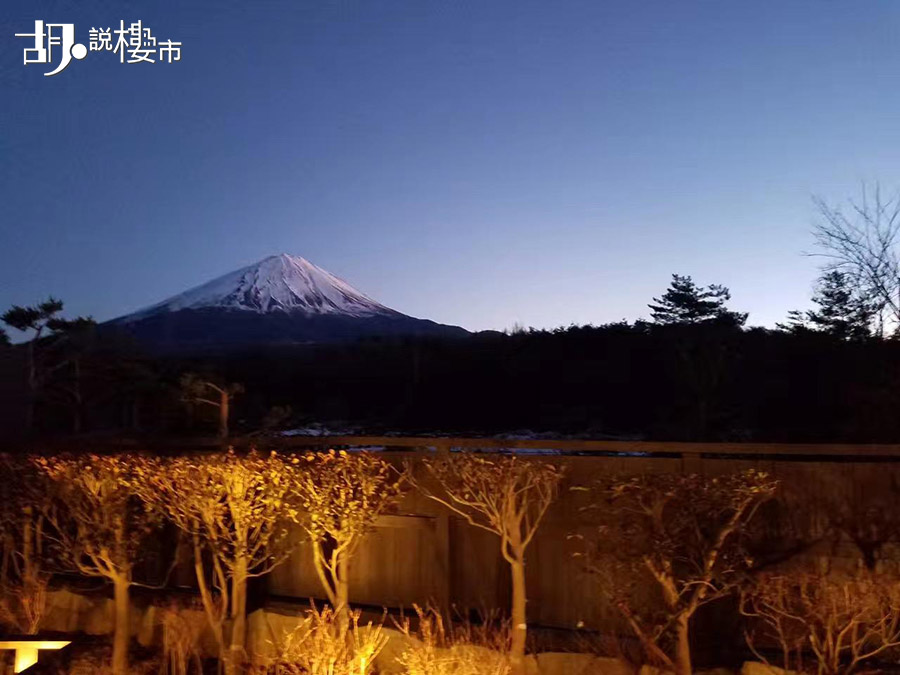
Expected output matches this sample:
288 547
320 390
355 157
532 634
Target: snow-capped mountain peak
279 283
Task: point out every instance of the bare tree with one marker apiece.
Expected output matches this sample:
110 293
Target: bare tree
507 496
682 534
23 577
862 242
235 509
99 525
841 620
872 525
196 389
340 497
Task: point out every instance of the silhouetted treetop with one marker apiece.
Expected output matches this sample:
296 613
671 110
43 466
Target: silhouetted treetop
684 302
32 318
43 316
841 311
49 353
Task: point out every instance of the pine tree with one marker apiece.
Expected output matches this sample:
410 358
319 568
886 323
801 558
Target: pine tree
841 312
43 322
684 302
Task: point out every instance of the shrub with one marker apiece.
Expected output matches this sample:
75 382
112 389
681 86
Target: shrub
23 577
327 643
827 622
180 642
681 535
463 649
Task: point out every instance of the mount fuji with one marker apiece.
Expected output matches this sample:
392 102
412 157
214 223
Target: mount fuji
282 299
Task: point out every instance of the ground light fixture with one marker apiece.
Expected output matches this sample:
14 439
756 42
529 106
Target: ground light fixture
28 650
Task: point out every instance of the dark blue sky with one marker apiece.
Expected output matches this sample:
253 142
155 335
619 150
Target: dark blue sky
477 163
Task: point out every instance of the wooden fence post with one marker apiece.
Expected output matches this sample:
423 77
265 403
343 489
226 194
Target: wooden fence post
692 461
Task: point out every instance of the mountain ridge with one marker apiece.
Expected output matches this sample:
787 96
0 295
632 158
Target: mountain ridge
281 299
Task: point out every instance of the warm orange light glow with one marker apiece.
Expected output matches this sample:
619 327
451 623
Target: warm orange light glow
27 650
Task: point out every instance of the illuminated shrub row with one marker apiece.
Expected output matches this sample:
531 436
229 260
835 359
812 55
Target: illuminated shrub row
693 539
92 514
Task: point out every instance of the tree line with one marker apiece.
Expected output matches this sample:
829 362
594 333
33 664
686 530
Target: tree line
693 371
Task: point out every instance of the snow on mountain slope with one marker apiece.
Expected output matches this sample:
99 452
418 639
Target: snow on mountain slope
280 301
279 283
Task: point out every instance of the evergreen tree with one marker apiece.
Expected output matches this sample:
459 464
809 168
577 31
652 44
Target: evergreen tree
841 312
48 331
684 302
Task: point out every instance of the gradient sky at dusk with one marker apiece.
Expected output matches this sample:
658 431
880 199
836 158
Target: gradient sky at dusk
474 162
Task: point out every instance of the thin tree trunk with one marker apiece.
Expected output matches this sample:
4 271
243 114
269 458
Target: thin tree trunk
519 620
27 540
122 629
683 646
319 565
29 413
32 386
223 416
206 597
8 544
239 612
342 591
76 395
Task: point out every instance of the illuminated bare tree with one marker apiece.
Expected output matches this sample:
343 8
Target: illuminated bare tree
235 509
841 620
196 389
507 496
861 241
23 578
681 534
340 497
99 525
